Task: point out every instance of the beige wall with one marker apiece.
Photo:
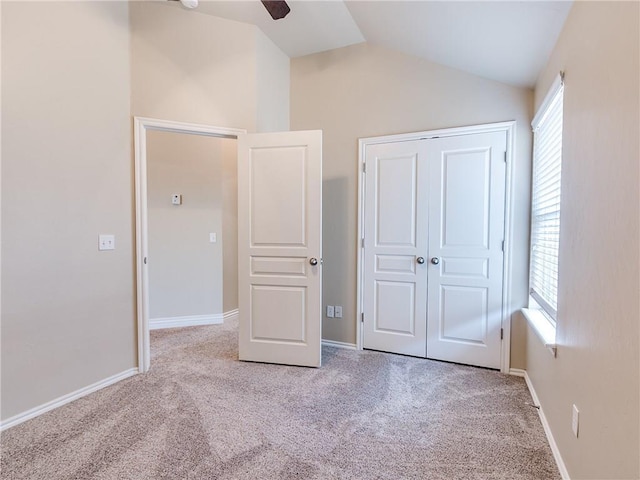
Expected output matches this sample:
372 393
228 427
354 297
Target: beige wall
273 86
192 67
215 72
597 362
73 73
68 309
185 269
363 91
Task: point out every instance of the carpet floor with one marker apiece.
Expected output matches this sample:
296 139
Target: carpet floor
199 413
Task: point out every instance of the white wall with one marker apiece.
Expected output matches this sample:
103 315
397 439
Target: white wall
598 336
68 309
363 91
185 268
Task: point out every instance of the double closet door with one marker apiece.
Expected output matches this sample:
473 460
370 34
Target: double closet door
433 247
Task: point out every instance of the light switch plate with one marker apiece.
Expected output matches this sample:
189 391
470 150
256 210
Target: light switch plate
338 311
106 242
213 237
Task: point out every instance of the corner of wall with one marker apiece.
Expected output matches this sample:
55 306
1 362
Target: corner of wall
67 307
596 367
273 85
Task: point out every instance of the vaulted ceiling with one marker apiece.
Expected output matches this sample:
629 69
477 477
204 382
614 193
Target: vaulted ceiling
507 41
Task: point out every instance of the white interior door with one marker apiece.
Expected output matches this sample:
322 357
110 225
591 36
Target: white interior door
279 247
395 284
466 225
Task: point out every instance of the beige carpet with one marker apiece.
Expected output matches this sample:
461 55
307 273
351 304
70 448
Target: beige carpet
201 414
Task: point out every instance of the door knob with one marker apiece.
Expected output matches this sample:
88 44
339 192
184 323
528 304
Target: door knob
420 260
435 260
313 261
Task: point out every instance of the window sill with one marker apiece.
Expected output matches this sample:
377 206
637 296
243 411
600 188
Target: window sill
544 329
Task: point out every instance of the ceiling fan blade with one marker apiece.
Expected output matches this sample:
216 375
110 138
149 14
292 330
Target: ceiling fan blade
277 9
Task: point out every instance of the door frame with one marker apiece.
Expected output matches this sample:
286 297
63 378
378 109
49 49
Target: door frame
509 128
141 126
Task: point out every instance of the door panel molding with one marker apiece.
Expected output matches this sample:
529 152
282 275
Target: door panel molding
508 128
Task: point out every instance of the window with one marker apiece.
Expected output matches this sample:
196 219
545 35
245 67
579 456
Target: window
545 202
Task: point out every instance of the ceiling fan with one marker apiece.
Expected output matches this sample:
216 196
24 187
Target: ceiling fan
277 8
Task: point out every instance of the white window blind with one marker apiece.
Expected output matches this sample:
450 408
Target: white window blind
545 201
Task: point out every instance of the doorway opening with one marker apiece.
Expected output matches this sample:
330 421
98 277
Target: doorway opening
164 222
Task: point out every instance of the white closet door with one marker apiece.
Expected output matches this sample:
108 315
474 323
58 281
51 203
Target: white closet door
395 283
466 233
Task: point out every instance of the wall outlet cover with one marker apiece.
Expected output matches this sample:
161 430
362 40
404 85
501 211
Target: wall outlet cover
106 242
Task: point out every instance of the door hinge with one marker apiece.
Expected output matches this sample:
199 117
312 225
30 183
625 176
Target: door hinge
505 157
503 245
364 167
362 317
501 333
362 242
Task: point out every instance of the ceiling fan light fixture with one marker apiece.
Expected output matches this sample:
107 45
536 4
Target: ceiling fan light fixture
189 3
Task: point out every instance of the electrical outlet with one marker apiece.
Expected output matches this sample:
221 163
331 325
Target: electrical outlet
575 420
106 242
338 311
330 311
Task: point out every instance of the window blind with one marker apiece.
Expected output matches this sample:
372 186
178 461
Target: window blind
545 202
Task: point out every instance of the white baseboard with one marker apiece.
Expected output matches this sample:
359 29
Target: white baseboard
517 372
70 397
547 430
191 320
333 343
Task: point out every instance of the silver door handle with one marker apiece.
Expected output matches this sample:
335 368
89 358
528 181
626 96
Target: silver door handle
313 261
420 260
435 260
